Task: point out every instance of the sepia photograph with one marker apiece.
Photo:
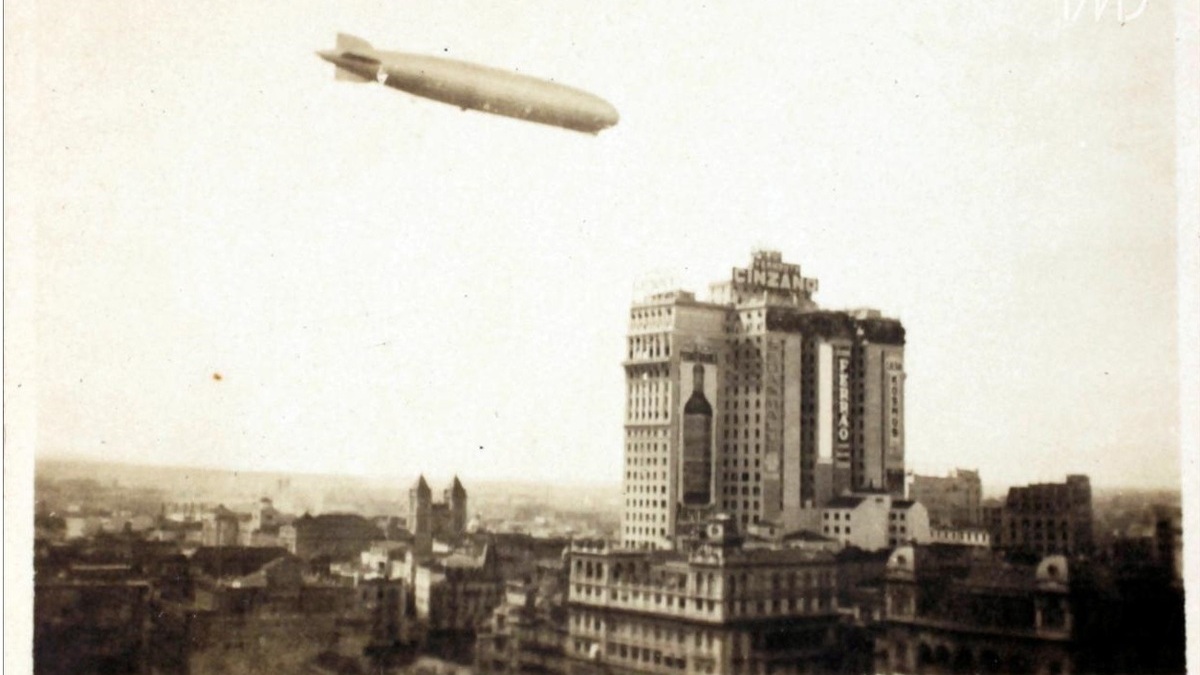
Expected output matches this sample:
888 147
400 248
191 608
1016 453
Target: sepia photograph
435 337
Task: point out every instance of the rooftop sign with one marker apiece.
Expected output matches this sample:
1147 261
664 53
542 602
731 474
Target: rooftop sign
767 271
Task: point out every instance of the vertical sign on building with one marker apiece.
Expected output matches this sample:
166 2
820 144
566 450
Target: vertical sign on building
773 399
893 397
773 424
826 401
842 430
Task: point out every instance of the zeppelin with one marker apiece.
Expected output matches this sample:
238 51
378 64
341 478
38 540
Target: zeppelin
468 85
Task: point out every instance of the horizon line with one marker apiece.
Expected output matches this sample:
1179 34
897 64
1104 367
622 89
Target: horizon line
83 459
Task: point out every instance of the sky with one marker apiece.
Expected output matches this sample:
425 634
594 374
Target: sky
389 285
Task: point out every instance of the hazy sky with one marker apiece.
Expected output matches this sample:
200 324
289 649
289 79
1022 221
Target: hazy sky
389 284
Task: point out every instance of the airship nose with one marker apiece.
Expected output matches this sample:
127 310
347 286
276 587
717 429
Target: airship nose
328 55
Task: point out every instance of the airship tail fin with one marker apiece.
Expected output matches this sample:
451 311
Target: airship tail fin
349 42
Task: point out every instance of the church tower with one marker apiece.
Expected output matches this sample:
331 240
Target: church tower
420 507
455 498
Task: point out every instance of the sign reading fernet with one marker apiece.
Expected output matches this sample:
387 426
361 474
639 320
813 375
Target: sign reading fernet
841 402
767 271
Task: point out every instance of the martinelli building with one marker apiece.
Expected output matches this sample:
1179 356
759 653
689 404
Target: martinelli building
756 403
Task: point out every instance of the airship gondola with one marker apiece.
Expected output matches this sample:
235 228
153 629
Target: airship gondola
472 86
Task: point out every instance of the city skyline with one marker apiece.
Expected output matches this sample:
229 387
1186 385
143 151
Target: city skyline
248 265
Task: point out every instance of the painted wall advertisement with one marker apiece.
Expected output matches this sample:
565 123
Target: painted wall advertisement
698 384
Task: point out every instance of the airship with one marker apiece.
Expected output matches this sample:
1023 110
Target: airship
471 86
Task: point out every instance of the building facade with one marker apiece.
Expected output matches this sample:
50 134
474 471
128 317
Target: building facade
458 593
525 634
954 500
717 608
963 614
874 522
1048 518
755 403
338 536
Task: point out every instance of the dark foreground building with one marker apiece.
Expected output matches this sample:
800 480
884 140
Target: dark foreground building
957 610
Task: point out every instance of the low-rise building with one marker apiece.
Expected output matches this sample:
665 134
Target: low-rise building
526 634
716 607
949 612
874 521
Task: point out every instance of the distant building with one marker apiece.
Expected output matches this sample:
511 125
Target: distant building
383 558
874 521
220 527
458 592
756 403
263 524
186 533
1047 518
338 536
82 525
222 562
718 608
429 520
953 500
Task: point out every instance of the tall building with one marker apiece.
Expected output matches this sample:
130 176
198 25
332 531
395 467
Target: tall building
954 500
776 404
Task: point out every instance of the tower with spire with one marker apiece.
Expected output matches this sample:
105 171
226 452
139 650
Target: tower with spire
429 520
455 497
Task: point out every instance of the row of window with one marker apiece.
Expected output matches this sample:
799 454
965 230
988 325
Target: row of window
649 347
646 503
733 462
632 530
643 571
635 630
674 603
642 432
643 489
746 505
746 491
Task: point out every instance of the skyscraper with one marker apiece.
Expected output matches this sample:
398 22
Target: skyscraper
800 403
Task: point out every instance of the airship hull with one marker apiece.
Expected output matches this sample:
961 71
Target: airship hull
476 87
